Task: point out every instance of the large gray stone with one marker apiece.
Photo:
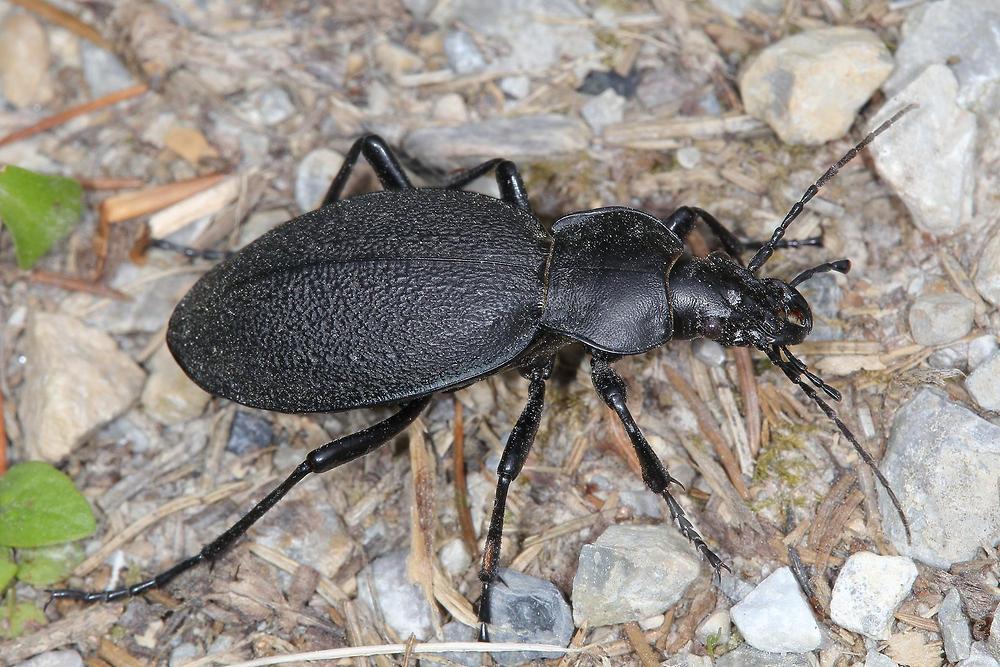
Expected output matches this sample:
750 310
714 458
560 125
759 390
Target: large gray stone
943 462
776 617
929 155
527 609
631 573
809 87
77 380
869 590
983 384
936 319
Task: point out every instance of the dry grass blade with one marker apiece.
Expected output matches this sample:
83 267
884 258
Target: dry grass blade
641 646
120 208
3 437
66 20
117 656
646 134
420 565
207 202
73 284
327 588
751 401
449 597
461 486
73 112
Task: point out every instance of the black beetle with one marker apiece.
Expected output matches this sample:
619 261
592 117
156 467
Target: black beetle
390 297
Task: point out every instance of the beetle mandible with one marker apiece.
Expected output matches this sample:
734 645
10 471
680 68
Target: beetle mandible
390 297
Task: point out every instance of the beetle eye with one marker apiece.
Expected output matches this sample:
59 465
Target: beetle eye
796 317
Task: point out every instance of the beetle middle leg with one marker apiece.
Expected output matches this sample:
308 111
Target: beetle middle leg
682 221
381 158
508 177
511 461
322 459
612 389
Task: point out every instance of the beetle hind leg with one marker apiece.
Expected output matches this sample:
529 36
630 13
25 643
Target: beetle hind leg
612 389
327 457
511 461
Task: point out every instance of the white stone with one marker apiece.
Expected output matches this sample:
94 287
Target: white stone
77 380
981 349
869 590
517 87
454 557
450 108
979 656
809 87
315 173
983 384
602 110
170 397
103 71
987 278
928 157
717 625
936 319
630 573
463 54
383 586
961 33
876 659
689 157
776 617
943 462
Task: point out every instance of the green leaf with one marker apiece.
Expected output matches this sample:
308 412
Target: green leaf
16 618
47 565
8 568
38 209
40 506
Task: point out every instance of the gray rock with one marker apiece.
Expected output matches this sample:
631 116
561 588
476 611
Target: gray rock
952 357
517 87
960 33
943 462
981 349
170 397
939 136
383 586
457 632
876 659
709 352
54 659
454 557
183 654
979 656
77 380
667 86
103 71
955 633
524 138
687 660
936 319
987 279
745 656
24 60
809 87
869 590
463 55
419 8
688 157
737 8
605 109
983 384
531 45
316 172
320 540
642 503
776 617
630 573
527 609
268 106
249 432
733 587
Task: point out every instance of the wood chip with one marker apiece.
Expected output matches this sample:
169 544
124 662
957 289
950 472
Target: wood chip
189 143
126 206
195 207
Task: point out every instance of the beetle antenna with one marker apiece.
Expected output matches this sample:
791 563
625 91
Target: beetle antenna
840 266
768 248
792 372
817 381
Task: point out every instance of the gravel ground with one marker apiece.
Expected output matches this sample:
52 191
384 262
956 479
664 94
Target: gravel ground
735 106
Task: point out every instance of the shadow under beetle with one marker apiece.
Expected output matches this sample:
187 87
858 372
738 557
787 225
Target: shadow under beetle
390 297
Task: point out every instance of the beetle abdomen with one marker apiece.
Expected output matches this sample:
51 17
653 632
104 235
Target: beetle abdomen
373 300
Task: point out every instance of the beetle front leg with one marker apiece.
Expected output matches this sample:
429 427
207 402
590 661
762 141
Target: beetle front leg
511 461
612 389
322 459
378 154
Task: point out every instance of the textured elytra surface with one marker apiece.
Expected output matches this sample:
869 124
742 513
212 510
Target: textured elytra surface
369 301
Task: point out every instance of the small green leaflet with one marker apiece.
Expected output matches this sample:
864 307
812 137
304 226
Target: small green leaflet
40 506
38 209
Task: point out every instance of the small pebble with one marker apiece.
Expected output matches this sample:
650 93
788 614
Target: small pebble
981 349
652 623
737 8
454 557
400 602
869 590
943 461
527 609
776 617
316 172
261 222
268 106
963 34
183 654
250 431
688 157
457 632
525 137
395 59
76 380
24 60
936 319
54 659
717 625
665 87
517 87
605 109
987 278
876 659
103 71
463 55
983 384
709 352
941 137
170 397
809 87
451 108
631 573
746 656
687 660
955 632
